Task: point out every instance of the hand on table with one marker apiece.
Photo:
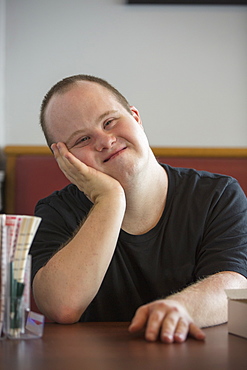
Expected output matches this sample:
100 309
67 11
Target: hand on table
166 319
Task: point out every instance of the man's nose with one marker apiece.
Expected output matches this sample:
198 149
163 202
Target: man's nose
104 141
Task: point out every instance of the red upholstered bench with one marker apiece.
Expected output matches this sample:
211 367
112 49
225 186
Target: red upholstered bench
235 167
36 177
32 172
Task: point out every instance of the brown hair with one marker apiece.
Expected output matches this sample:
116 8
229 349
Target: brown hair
64 85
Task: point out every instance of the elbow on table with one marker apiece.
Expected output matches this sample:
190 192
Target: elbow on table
59 312
60 308
64 315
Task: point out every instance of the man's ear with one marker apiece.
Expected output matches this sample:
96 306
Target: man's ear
136 114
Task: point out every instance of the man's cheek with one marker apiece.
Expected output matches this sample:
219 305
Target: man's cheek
86 160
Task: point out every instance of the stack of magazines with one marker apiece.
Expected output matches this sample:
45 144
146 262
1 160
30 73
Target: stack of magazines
16 319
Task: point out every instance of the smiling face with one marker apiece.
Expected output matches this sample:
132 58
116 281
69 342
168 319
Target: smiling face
97 129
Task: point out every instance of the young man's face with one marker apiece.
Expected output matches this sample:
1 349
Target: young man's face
97 129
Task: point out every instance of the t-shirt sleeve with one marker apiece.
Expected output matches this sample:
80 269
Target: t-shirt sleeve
61 216
224 244
51 235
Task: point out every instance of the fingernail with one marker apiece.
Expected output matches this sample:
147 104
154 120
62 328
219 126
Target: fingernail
168 338
179 337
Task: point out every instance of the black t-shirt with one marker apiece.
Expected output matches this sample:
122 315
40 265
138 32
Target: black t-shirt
202 231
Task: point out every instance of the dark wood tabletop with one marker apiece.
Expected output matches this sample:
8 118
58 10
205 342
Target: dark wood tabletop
109 346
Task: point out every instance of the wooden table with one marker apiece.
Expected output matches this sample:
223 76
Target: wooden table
107 346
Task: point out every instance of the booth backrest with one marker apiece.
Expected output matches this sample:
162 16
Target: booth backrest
36 177
235 167
32 173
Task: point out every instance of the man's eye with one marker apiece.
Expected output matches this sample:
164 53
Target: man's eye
83 140
107 123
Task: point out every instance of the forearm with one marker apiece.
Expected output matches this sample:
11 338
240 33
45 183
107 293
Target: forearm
65 286
206 300
200 305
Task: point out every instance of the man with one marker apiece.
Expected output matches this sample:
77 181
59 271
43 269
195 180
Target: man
131 239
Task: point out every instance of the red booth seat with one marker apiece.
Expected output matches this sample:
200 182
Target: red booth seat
32 173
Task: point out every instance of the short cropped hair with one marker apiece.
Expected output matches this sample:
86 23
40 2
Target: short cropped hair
64 85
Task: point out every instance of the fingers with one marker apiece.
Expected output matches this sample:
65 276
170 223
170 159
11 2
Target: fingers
68 163
168 321
154 326
94 183
64 157
59 151
179 332
140 319
196 332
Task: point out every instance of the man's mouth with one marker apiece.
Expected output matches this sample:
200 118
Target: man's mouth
112 155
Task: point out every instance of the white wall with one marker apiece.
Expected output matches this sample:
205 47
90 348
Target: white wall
183 67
